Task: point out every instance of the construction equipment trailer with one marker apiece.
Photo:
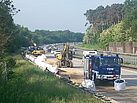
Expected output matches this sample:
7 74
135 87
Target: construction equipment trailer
101 67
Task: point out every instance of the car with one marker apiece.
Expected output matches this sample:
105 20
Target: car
52 51
57 52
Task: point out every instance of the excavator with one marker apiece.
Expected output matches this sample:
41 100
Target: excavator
35 50
64 59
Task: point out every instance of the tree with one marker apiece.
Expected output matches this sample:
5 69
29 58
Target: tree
101 19
46 37
116 33
105 16
7 30
21 38
90 37
130 18
7 27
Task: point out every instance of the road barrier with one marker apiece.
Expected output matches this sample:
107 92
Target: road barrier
39 61
129 59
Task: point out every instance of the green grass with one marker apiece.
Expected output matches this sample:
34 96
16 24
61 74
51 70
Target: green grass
29 84
88 46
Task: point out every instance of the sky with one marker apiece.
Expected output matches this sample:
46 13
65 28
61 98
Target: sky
56 14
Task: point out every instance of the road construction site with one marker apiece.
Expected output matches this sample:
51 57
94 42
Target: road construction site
104 89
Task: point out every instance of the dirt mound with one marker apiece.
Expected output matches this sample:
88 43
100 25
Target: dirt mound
51 61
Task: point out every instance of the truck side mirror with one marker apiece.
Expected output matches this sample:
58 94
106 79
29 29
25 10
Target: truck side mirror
121 60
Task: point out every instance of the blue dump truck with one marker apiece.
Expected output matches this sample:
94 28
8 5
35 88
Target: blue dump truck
101 67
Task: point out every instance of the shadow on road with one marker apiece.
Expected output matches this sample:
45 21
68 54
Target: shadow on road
105 83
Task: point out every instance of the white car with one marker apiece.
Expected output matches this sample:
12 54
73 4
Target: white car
57 52
52 51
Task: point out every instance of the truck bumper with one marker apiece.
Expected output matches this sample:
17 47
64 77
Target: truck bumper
108 77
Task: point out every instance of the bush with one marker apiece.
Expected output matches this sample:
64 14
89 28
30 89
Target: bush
10 61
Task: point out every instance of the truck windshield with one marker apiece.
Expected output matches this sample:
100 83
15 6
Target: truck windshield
109 61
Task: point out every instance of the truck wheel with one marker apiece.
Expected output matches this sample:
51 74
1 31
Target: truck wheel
59 64
113 81
70 64
96 81
94 77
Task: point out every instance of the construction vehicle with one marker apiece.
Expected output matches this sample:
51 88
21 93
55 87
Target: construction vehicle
64 59
101 67
35 50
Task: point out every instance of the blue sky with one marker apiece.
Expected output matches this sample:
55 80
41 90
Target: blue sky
56 14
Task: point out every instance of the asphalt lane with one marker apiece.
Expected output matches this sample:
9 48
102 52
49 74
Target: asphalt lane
130 75
127 96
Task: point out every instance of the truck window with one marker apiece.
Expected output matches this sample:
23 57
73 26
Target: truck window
97 61
110 61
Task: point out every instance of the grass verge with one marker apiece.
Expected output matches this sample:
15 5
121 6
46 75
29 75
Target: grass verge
29 84
88 46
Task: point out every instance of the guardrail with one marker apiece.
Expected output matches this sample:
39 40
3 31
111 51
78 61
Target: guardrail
126 58
129 59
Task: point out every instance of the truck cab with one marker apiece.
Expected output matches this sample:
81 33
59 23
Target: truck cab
102 67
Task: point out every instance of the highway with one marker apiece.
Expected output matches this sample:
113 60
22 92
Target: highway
107 89
104 88
127 96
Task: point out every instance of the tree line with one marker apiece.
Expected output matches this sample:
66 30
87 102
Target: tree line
13 36
41 37
115 23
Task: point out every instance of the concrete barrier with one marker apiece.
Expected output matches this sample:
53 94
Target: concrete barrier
39 61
